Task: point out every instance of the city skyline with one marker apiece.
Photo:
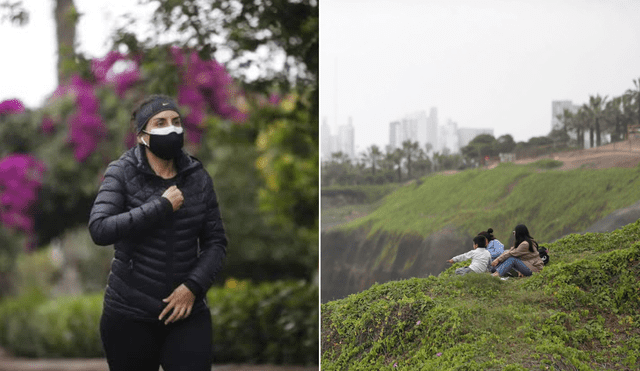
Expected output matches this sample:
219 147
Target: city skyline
485 63
415 127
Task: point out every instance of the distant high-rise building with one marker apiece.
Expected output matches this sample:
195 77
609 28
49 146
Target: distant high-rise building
395 134
557 108
325 143
408 128
346 139
448 137
343 141
432 128
466 135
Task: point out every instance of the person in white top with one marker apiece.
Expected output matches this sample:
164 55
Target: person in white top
479 256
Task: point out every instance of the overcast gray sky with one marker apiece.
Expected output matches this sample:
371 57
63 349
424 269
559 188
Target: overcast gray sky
482 63
28 66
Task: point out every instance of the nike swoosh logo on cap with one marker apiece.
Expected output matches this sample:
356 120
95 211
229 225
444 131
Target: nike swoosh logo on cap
165 104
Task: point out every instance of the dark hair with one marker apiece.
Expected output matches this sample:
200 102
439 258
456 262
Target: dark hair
522 234
480 241
488 234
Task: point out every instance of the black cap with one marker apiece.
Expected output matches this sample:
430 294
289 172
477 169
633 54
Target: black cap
154 106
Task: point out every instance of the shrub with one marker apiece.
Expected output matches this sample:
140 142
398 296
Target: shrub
274 322
265 323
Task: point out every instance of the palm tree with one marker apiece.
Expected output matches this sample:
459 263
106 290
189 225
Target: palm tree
627 113
613 115
595 109
634 94
395 157
578 122
410 151
339 157
372 156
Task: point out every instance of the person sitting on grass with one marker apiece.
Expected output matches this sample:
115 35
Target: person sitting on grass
479 256
494 246
523 256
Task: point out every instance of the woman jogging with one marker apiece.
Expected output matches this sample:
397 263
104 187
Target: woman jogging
158 207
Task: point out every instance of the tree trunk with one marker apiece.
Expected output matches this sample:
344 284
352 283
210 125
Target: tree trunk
581 138
598 141
591 137
65 17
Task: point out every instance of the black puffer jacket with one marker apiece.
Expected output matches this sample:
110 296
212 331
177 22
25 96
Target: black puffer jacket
157 249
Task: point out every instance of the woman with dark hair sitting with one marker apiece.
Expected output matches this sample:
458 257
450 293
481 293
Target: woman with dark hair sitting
494 246
523 256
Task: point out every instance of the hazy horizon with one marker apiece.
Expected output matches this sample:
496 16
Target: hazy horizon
482 63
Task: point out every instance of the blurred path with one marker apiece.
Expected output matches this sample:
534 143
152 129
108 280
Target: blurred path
99 364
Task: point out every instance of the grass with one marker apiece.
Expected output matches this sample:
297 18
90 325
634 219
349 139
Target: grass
552 203
579 313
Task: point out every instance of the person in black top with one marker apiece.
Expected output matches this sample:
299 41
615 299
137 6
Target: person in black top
158 208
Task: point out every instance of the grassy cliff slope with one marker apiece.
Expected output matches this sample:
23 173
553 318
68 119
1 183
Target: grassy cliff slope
552 203
579 313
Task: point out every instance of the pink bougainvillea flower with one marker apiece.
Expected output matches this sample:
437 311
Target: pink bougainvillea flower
86 131
48 126
274 99
130 140
194 135
205 84
100 66
125 80
438 354
105 73
20 180
86 128
11 106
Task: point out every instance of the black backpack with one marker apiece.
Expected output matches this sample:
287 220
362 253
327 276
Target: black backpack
544 254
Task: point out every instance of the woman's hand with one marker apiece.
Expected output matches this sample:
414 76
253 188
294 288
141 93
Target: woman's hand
494 263
181 301
450 261
174 195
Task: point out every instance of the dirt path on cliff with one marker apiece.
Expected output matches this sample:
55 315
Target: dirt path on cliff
620 154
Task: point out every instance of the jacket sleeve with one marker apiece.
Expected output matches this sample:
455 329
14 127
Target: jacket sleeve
462 257
109 222
213 244
519 251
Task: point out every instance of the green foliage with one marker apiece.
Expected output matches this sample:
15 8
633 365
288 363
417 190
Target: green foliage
259 323
503 197
579 313
366 194
245 26
65 327
10 245
74 255
546 164
265 323
481 146
249 229
288 148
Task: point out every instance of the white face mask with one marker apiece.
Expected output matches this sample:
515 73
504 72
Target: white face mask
165 130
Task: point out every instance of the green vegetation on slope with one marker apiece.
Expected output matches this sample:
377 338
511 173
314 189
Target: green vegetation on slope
551 203
579 313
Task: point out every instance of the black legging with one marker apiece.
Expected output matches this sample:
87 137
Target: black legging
144 346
